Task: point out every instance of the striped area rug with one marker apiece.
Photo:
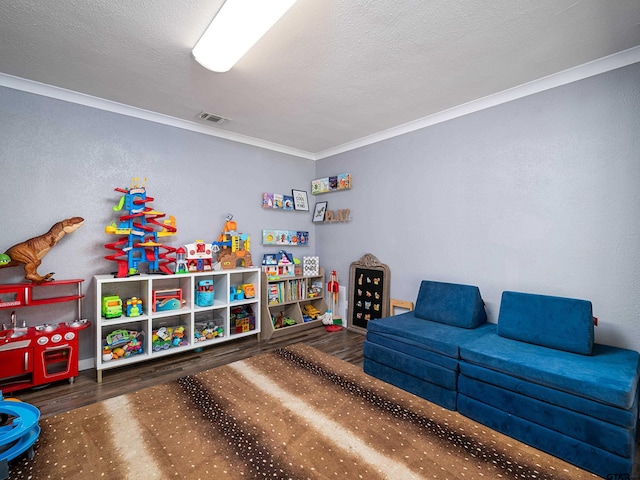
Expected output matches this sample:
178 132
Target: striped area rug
296 413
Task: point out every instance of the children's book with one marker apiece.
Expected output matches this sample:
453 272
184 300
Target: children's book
269 237
267 200
344 181
287 202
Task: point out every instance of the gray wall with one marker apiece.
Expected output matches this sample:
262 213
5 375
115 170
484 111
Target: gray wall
537 195
59 160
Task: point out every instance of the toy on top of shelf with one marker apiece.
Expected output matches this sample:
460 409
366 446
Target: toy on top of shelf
233 248
181 261
280 264
269 265
199 256
140 243
297 266
30 252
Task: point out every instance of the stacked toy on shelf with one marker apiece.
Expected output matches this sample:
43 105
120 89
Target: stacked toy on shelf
278 265
234 248
140 238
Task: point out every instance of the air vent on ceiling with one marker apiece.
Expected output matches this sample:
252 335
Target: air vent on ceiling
210 117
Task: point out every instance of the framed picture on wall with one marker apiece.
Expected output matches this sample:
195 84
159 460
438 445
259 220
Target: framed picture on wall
319 212
300 200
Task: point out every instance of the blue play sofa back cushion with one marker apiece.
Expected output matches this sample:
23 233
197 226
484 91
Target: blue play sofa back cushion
555 322
450 303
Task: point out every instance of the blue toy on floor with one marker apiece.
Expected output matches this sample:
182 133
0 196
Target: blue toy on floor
19 430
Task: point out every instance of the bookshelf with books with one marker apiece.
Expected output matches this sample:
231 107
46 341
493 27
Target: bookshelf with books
285 301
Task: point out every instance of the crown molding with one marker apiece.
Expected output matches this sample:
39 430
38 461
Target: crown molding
596 67
58 93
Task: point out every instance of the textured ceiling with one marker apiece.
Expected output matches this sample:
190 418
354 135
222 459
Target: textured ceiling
329 73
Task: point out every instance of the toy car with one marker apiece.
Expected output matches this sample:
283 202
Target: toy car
311 311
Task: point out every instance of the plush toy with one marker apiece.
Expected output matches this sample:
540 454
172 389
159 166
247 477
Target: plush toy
31 252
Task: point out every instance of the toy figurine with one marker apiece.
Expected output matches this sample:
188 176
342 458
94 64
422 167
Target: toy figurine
334 289
134 307
181 261
30 252
107 354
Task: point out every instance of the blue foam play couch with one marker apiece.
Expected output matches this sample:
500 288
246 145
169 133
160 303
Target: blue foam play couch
536 376
540 378
419 351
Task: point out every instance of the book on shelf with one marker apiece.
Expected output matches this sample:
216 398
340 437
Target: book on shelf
276 293
297 290
315 290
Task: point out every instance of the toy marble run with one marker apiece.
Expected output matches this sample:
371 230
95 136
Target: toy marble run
139 243
233 248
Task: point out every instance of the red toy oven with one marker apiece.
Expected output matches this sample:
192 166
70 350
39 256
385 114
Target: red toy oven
56 353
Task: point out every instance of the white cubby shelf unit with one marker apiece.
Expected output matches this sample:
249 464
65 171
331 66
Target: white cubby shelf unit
233 317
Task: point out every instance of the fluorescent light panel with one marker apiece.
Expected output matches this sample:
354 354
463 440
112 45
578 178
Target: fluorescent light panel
238 25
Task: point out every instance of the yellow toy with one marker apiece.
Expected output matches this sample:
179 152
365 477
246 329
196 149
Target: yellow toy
233 248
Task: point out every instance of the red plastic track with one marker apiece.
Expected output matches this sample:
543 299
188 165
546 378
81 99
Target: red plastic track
123 265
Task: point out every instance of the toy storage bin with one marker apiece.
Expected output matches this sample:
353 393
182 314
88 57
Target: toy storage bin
209 326
170 333
318 304
123 343
291 311
242 319
205 292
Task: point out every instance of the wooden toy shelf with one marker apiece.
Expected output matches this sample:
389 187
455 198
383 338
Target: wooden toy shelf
289 295
234 317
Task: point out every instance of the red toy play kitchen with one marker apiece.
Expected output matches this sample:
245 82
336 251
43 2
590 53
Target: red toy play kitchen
36 355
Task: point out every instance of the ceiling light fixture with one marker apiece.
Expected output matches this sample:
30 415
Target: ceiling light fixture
238 25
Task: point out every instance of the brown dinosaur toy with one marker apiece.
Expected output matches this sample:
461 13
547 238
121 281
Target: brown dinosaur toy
31 252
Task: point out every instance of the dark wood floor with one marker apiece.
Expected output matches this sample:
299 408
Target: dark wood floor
61 396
